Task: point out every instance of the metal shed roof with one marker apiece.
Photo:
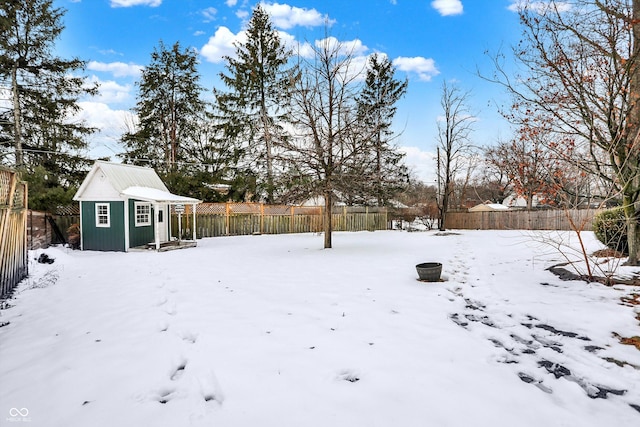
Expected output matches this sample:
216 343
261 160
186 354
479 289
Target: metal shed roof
123 177
155 195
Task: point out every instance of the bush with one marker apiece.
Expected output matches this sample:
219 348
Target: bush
610 227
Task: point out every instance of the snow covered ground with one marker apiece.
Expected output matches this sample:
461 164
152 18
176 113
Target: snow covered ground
274 331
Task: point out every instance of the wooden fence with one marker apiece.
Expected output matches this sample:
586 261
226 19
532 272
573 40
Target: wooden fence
13 230
65 217
552 219
44 229
235 219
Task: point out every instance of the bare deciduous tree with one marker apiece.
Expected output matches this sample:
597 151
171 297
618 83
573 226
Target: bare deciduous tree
580 60
454 129
321 154
532 168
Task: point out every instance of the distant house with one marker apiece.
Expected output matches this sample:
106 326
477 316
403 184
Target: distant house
489 207
124 206
515 201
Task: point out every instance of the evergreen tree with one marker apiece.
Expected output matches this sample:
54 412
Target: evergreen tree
211 173
169 108
43 94
376 109
258 83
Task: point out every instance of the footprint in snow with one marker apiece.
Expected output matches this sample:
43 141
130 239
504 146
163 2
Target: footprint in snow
178 371
348 375
210 387
164 395
171 310
531 380
189 337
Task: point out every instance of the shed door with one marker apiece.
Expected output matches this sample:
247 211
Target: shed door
162 222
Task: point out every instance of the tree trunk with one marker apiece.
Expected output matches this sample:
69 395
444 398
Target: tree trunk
445 206
17 119
174 134
446 195
269 154
328 213
379 167
633 139
633 234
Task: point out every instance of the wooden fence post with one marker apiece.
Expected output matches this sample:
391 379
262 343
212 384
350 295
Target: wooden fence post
25 212
292 220
4 227
226 222
344 217
367 219
261 218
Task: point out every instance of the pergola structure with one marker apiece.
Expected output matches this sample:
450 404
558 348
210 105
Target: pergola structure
159 198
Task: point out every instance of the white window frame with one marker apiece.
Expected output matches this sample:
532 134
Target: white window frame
140 217
103 215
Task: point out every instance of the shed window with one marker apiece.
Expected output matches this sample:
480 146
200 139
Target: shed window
102 215
143 214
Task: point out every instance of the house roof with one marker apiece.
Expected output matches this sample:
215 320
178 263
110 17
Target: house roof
132 181
488 207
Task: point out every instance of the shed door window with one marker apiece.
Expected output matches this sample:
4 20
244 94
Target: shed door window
102 215
143 214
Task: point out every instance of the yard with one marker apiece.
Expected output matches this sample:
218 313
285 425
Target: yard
274 331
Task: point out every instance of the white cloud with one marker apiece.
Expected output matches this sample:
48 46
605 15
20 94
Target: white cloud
286 17
110 52
101 116
447 7
221 44
351 47
110 92
231 3
209 14
304 49
111 124
354 49
129 3
424 67
358 67
423 163
540 7
118 69
242 14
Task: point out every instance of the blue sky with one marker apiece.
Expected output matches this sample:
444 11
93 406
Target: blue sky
429 41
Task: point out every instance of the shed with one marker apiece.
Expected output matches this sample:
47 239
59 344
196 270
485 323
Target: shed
488 207
125 206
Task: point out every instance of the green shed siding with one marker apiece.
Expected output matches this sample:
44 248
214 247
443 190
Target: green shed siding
103 238
139 236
